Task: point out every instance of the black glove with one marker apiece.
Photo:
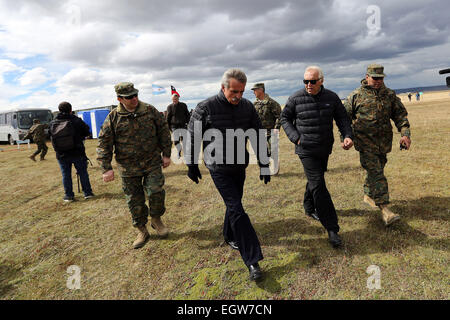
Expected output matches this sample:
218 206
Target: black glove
265 177
194 173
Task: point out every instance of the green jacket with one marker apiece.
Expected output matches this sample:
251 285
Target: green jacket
37 133
371 111
137 139
269 112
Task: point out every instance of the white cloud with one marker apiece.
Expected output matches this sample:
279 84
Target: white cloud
34 77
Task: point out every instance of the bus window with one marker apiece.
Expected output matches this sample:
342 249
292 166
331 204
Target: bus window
26 117
14 121
9 118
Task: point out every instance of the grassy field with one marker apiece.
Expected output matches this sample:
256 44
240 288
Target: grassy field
40 236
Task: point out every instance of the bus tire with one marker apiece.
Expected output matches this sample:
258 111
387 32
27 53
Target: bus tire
11 140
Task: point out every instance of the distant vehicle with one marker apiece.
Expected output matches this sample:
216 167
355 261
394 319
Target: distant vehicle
443 71
14 124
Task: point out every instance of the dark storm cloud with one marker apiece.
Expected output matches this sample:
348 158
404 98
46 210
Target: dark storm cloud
198 40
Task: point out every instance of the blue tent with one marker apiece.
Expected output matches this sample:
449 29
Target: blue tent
94 119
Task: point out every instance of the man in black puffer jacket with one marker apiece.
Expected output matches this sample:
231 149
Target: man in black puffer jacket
70 150
226 117
307 120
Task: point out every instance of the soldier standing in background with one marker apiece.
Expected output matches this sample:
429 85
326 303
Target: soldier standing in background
371 107
37 132
137 133
177 117
268 110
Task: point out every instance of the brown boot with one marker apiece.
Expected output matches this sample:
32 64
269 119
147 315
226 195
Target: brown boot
388 216
370 201
142 237
32 157
159 226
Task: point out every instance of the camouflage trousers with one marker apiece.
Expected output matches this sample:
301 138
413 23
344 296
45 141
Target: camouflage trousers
135 189
375 185
41 147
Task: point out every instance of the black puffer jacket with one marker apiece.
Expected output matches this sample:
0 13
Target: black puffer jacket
217 113
81 132
309 119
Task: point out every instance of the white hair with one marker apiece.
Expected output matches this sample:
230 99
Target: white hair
315 68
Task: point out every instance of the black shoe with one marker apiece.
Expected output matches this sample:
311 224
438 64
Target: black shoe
255 272
233 244
313 215
88 196
68 199
334 239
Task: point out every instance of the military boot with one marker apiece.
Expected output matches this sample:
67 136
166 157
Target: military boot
370 201
388 216
142 237
32 157
159 226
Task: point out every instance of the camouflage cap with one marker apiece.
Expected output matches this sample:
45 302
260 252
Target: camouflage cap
375 70
125 89
258 86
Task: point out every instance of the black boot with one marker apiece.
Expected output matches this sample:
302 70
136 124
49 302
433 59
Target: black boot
334 239
255 272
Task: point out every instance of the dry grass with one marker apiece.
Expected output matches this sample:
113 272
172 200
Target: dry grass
40 236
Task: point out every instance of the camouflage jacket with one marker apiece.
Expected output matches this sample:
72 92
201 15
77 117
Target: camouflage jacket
37 132
371 111
137 139
269 112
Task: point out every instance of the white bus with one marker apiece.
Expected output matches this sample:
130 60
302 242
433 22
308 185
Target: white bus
14 124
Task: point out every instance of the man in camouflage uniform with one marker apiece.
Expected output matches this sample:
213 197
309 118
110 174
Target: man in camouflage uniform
138 134
268 110
37 132
371 107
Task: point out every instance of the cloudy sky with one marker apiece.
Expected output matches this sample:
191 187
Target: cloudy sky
53 50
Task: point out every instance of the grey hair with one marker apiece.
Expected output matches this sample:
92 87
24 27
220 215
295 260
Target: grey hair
316 68
237 74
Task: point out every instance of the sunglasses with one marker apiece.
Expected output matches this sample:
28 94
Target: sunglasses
377 78
130 97
310 81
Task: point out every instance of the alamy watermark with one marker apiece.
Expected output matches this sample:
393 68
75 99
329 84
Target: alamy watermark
374 281
373 22
73 12
227 147
74 279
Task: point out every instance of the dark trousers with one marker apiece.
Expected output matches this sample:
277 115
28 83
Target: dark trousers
80 163
237 226
41 147
178 143
317 196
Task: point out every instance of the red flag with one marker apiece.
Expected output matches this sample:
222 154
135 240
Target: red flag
174 91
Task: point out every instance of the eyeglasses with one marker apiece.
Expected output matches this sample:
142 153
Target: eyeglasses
310 81
130 97
377 78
